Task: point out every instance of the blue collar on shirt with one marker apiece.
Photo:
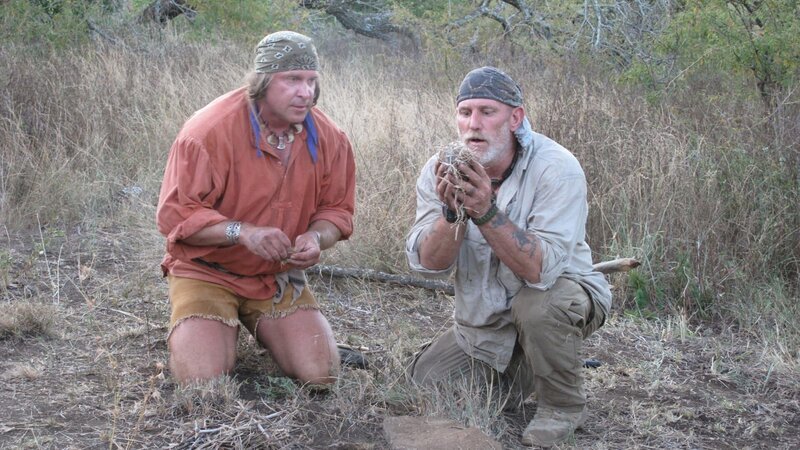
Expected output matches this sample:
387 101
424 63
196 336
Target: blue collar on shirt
312 139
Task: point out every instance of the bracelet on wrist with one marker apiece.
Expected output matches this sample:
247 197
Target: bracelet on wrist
484 219
232 232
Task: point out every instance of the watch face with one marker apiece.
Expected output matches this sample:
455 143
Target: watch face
449 215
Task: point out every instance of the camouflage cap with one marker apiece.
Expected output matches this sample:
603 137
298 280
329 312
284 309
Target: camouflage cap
285 50
492 83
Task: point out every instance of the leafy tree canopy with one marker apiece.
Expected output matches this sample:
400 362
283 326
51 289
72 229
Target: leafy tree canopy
656 42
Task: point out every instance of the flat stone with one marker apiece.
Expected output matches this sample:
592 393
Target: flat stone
422 433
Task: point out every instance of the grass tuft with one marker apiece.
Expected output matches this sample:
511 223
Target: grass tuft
25 319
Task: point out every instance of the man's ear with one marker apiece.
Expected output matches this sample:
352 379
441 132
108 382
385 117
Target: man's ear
517 115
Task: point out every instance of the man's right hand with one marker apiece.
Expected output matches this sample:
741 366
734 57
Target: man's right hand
446 187
272 244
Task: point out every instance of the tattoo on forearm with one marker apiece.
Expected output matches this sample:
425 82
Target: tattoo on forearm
522 238
499 220
526 242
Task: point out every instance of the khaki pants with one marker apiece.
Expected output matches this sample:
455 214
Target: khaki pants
551 327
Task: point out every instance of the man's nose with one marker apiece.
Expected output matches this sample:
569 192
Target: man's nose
474 122
306 91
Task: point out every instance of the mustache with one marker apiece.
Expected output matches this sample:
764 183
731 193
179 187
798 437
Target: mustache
470 136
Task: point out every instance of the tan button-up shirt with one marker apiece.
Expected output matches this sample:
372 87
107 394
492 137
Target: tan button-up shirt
546 195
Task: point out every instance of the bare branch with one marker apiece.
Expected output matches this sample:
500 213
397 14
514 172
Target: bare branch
466 19
526 11
376 25
538 26
495 15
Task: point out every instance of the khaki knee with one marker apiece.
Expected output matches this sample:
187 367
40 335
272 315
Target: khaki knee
550 326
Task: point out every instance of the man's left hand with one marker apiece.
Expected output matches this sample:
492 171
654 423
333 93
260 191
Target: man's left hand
475 189
307 250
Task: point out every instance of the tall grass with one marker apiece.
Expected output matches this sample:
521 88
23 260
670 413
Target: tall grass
698 185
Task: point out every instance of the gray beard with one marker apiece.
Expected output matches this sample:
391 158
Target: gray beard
495 151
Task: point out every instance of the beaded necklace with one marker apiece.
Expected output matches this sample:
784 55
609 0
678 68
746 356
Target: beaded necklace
279 141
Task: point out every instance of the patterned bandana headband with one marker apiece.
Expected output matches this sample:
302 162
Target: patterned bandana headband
492 83
285 50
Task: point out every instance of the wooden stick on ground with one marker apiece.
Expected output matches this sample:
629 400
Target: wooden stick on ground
374 275
617 265
606 267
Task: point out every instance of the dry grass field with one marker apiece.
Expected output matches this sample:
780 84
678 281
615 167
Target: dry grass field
701 350
83 367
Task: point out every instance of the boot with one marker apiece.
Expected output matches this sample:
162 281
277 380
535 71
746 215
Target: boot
552 426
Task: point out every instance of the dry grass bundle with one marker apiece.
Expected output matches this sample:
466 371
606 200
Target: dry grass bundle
452 155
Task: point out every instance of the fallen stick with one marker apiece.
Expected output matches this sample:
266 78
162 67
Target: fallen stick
606 267
617 265
374 275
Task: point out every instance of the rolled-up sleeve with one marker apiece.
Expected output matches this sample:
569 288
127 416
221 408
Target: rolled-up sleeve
558 219
189 191
429 208
337 196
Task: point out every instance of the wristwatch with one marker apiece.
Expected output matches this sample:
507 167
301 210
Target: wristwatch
449 215
232 232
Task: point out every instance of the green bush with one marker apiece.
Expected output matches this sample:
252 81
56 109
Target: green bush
60 23
241 20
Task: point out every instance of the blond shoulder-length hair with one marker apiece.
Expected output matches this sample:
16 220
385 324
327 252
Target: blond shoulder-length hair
257 84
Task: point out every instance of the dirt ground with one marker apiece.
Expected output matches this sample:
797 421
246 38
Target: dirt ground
83 355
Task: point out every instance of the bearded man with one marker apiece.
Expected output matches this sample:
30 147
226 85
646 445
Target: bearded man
526 295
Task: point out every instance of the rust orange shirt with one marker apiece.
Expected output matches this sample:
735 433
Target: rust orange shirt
216 173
